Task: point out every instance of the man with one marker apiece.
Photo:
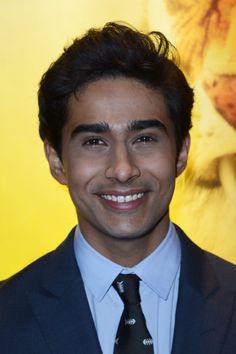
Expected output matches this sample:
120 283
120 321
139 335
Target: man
115 114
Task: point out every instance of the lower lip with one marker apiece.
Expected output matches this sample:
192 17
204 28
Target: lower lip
128 206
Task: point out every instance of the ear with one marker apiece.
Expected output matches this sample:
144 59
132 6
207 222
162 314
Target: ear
183 156
55 163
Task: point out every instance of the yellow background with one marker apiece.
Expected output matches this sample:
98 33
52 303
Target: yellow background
36 212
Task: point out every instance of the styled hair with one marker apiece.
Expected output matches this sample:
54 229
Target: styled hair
116 50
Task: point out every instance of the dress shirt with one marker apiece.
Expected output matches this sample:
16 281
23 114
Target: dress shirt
159 274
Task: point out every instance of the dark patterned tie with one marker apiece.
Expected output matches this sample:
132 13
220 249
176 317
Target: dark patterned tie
132 335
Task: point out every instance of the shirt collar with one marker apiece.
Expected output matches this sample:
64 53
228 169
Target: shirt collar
157 271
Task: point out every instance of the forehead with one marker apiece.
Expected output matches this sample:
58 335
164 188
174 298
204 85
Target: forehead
116 101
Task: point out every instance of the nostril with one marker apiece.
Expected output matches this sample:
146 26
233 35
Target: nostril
214 84
222 91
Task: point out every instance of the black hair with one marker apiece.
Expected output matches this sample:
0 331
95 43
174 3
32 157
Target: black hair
116 50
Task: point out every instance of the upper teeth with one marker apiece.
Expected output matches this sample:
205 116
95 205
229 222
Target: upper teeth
122 198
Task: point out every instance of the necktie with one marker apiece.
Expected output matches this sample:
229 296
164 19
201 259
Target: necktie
132 335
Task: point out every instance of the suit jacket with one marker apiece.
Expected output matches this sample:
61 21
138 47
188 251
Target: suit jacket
44 309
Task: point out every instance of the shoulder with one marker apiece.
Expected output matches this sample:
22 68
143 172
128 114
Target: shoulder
226 271
26 280
32 277
15 312
203 265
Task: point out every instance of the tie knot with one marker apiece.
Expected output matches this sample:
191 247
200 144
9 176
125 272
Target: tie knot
127 286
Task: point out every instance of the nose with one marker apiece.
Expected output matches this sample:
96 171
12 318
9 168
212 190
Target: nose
122 167
222 91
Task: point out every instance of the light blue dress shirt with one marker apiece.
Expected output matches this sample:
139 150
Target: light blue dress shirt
159 274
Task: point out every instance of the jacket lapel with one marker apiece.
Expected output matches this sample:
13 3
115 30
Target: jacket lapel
61 307
201 324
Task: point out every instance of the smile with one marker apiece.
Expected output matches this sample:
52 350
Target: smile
122 198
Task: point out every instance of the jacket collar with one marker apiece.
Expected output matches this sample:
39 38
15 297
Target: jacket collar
196 271
61 307
203 308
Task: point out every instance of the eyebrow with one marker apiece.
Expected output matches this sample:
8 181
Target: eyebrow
145 124
103 127
96 128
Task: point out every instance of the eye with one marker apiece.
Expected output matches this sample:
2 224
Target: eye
145 139
93 141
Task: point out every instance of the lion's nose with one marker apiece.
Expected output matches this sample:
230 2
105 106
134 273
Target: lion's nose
221 88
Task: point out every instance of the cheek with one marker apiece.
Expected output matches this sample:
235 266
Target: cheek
81 175
162 168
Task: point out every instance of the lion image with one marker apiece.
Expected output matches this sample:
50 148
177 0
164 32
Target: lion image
205 202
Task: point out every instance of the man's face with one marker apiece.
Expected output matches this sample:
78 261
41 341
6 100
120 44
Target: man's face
119 160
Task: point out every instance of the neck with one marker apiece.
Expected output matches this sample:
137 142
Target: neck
127 252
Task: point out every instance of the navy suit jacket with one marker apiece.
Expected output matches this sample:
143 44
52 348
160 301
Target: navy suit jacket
44 309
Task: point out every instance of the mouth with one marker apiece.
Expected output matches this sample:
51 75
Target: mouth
122 198
219 173
118 201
